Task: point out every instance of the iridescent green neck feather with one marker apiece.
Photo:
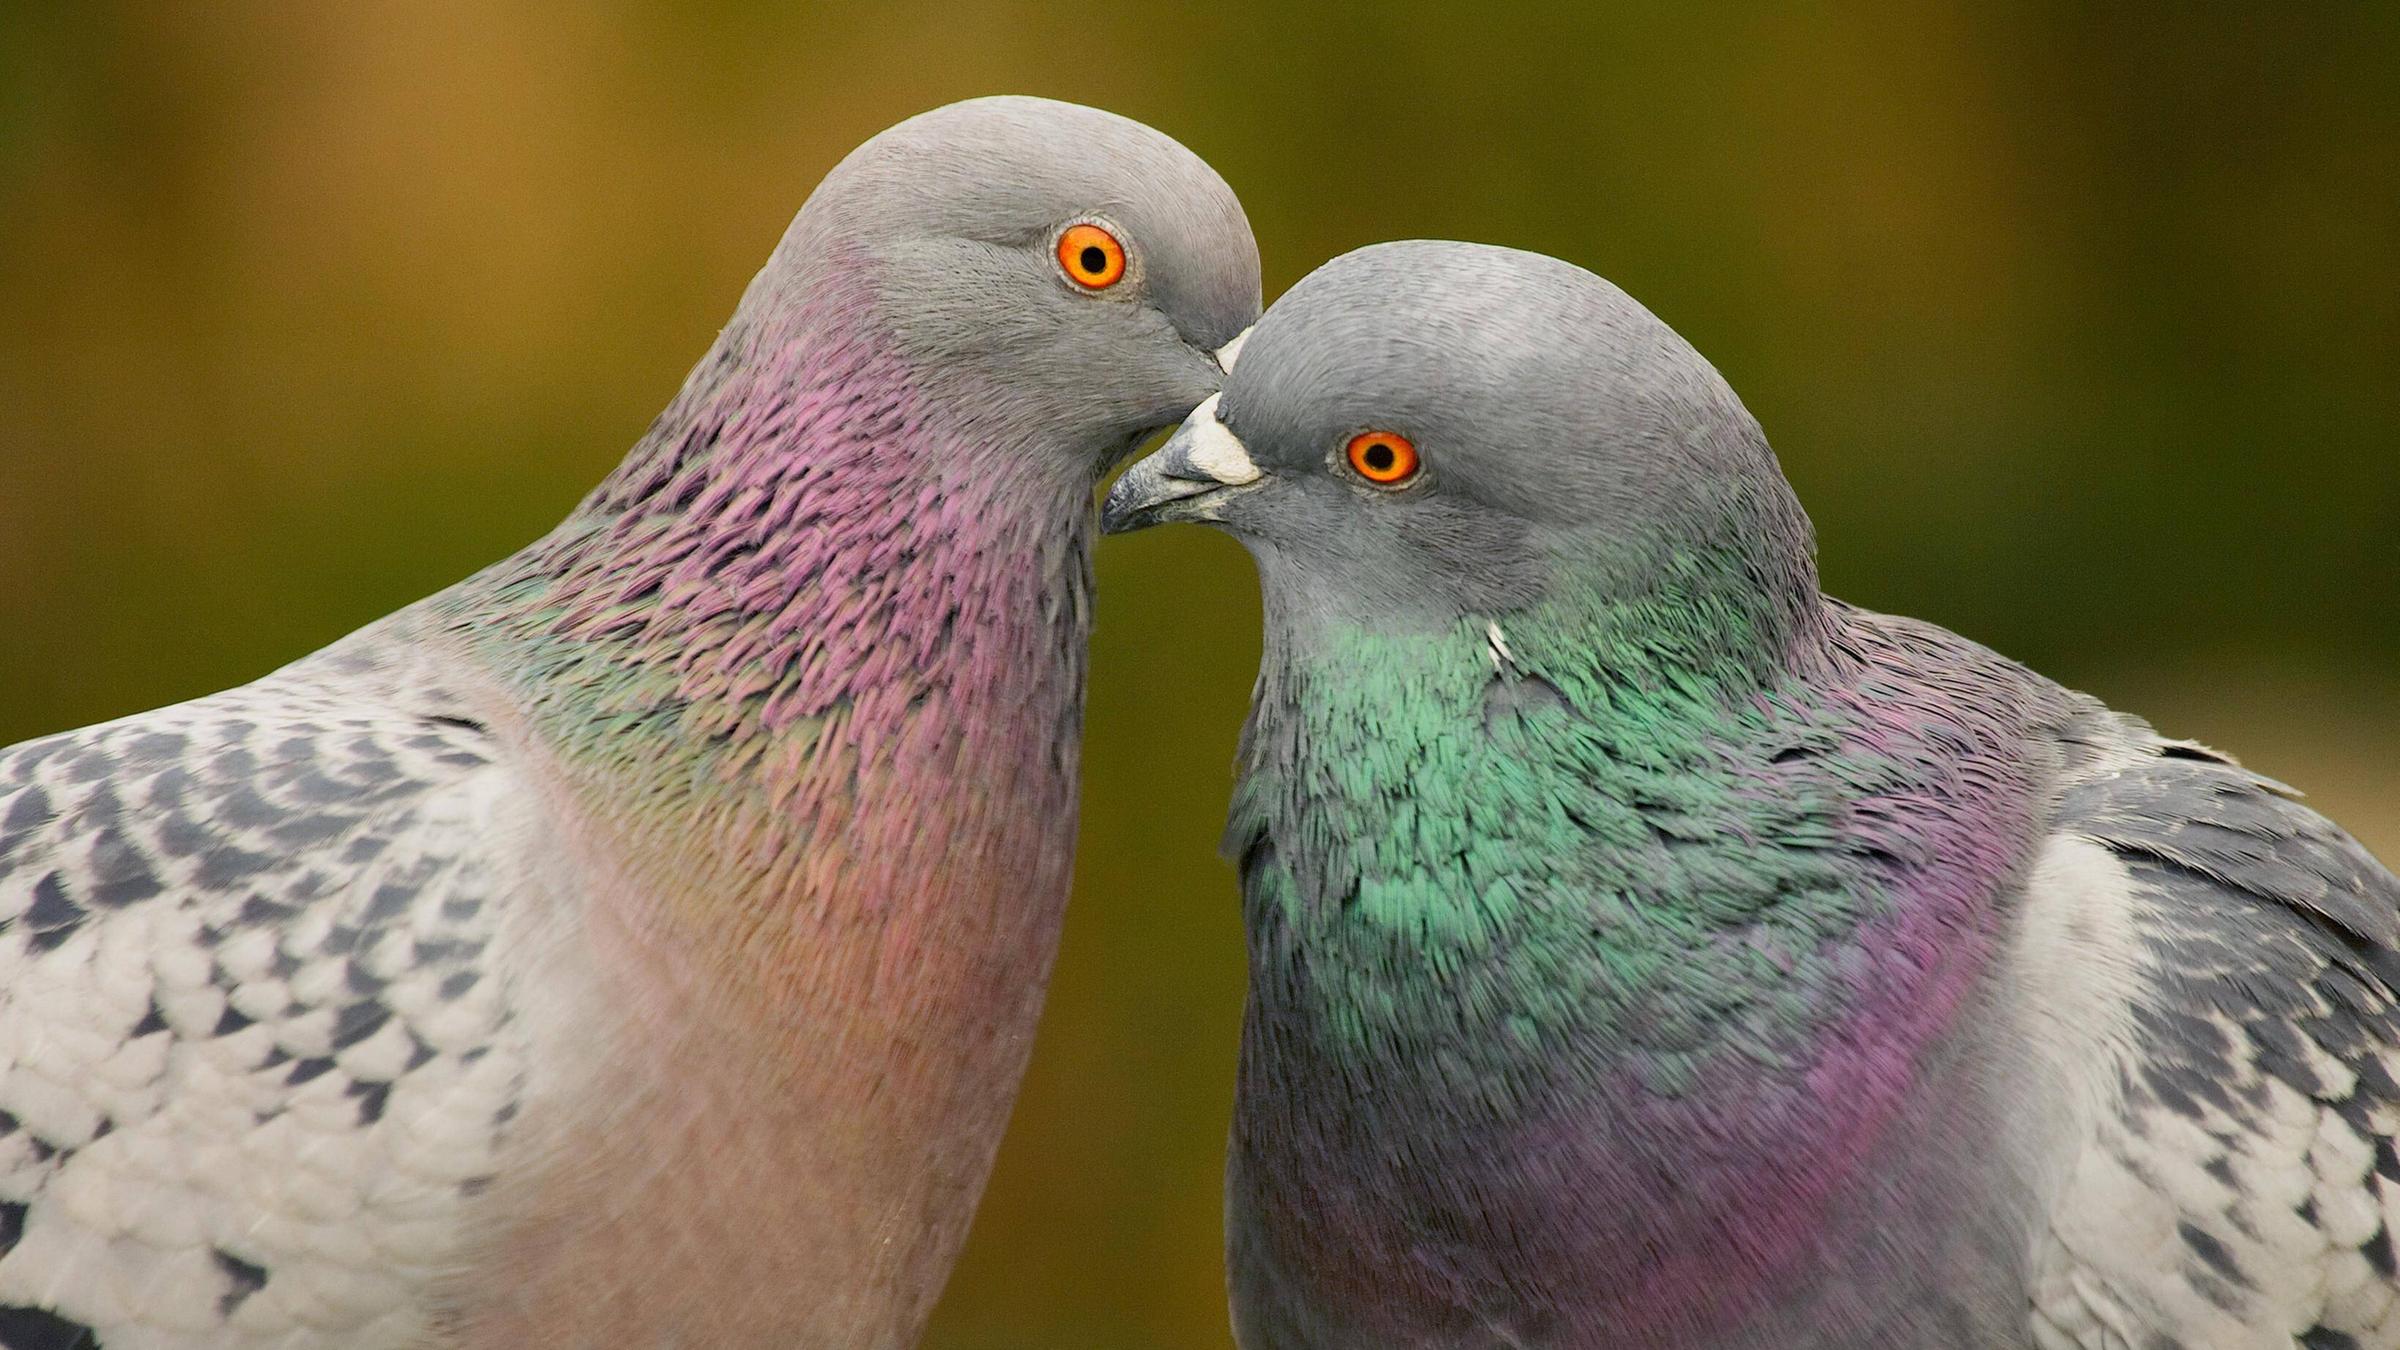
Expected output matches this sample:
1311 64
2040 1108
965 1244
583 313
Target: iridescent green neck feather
1564 832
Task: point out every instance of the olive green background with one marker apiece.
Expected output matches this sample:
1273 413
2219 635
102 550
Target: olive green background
2077 326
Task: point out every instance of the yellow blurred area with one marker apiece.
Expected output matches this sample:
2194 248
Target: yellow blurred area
2078 328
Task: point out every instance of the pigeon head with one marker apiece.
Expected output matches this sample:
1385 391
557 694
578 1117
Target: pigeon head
1425 432
1057 277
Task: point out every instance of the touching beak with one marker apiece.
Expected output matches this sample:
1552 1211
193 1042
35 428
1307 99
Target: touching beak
1185 480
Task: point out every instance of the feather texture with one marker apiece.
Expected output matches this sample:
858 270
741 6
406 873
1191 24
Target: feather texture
639 942
251 1009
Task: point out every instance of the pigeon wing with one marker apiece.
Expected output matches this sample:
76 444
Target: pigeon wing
251 1065
2232 1181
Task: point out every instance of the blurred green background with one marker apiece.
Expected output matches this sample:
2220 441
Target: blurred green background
2078 327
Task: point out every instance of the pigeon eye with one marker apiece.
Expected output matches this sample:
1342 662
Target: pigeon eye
1384 458
1091 257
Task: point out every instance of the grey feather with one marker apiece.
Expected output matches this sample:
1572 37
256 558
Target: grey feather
2256 1102
253 1055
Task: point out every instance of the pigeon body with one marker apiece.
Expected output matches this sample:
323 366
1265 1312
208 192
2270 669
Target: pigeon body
1648 951
640 942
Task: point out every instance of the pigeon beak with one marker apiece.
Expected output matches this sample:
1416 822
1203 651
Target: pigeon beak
1186 479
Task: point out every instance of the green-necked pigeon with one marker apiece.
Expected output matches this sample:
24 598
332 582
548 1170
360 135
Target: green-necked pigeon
1648 951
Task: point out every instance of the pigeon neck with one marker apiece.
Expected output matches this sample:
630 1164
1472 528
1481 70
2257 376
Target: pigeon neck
1566 795
809 613
1523 908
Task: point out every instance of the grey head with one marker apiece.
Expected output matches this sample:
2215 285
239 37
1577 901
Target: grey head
1562 437
948 228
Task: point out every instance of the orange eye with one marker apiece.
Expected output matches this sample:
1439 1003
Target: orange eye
1383 457
1092 257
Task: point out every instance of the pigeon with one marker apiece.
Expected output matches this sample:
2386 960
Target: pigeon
1649 951
640 942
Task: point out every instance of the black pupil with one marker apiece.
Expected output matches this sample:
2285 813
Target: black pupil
1093 259
1379 457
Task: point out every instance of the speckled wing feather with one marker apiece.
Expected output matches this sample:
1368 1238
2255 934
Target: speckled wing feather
2237 1185
251 1067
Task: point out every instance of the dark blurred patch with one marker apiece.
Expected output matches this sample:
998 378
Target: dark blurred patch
34 1329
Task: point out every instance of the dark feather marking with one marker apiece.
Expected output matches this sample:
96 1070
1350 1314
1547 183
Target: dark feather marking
181 836
23 1328
390 902
244 808
155 747
2282 1053
371 1098
2378 1252
259 911
357 1022
2205 1245
167 789
2180 1026
303 831
90 765
308 885
242 1278
2358 1112
30 811
2166 1088
2220 1293
52 916
122 875
224 865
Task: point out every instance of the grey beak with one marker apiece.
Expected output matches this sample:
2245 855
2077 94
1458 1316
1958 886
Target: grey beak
1184 480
